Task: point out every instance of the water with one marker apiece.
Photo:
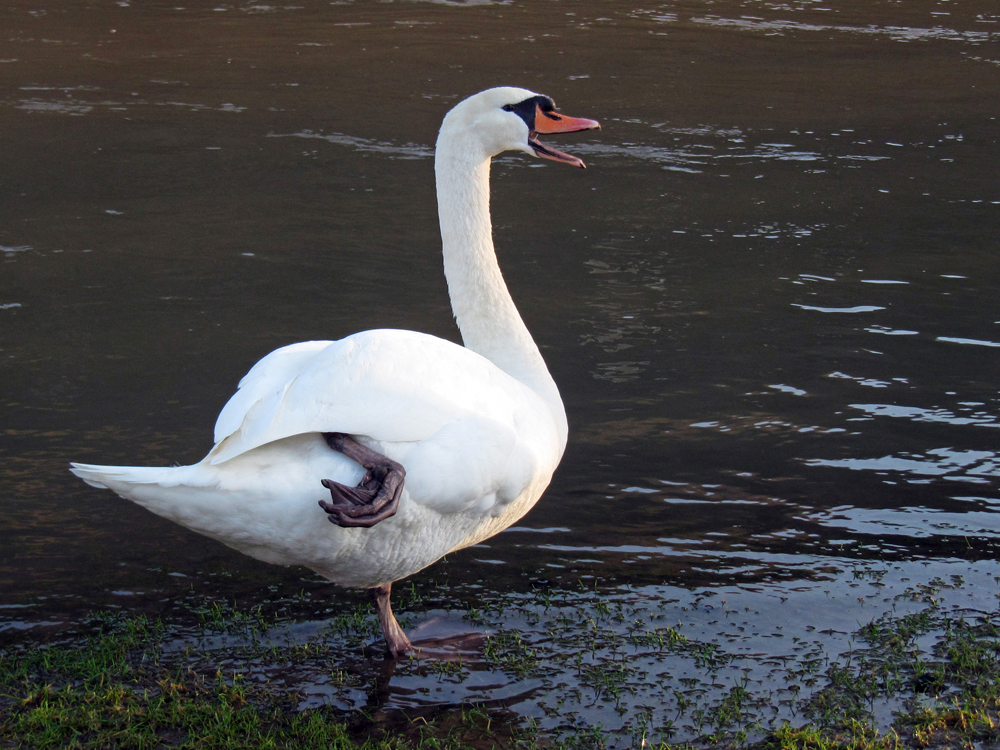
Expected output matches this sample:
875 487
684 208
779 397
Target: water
771 302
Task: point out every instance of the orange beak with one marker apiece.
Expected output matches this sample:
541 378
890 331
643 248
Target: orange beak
553 122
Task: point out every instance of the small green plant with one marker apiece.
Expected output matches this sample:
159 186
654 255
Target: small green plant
507 651
221 616
475 616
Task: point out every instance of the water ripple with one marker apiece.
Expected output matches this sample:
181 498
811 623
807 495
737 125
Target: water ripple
972 342
916 523
895 33
975 417
855 309
406 151
969 466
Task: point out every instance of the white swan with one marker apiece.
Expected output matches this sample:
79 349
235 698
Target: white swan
413 446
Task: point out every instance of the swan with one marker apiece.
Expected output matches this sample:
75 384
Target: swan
369 458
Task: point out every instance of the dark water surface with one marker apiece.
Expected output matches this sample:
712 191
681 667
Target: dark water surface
772 303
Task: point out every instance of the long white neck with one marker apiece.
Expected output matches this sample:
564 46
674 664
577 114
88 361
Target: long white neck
486 315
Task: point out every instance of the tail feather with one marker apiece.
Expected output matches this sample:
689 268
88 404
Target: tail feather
106 476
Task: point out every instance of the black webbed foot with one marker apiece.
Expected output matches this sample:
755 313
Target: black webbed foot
375 498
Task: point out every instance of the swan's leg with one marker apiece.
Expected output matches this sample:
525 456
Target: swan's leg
396 642
376 498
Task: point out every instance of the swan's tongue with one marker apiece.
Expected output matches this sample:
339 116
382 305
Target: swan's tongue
550 153
553 122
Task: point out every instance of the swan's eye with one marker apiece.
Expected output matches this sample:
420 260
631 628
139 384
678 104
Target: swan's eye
508 108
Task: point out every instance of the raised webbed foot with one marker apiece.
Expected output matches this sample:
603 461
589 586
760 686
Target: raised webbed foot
375 498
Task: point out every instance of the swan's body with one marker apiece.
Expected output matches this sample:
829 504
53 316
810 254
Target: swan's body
479 447
479 429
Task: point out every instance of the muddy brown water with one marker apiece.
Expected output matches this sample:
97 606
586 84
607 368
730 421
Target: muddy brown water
771 303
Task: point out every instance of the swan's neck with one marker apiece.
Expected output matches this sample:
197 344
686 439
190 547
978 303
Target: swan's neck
486 315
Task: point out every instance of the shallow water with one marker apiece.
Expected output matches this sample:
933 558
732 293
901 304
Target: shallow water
770 303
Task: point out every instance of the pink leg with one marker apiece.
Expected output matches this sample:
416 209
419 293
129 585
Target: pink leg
396 641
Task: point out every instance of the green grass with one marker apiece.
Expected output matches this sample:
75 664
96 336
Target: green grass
237 679
193 713
118 689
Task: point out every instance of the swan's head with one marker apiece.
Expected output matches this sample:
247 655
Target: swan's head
510 119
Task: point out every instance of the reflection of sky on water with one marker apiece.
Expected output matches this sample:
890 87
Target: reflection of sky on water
975 416
891 332
969 342
698 150
964 466
916 523
855 309
392 150
895 33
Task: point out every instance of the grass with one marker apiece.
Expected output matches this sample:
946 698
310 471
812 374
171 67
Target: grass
116 690
603 669
119 688
507 651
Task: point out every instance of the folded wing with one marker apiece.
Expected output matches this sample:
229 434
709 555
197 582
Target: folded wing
388 385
